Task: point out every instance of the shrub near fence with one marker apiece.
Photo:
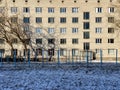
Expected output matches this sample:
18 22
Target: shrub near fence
57 57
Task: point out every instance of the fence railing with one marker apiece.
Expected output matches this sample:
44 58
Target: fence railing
58 57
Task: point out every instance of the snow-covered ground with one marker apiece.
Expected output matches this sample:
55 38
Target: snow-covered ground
64 77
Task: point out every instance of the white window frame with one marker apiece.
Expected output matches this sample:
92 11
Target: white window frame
14 9
98 40
25 8
74 30
111 51
51 30
38 9
98 9
63 52
38 30
111 9
26 28
62 30
50 10
98 30
63 10
75 10
97 51
1 9
75 52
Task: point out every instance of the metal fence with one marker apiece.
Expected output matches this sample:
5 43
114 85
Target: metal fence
58 57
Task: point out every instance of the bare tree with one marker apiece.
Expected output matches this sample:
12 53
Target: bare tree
116 15
50 40
13 27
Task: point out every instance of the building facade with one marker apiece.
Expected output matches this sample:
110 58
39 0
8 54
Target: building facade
80 24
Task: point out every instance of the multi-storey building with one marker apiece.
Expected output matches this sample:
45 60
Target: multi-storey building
81 24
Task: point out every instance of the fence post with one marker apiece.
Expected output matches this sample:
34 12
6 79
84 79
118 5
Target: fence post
14 57
58 57
72 59
42 57
101 57
7 59
0 58
116 56
91 56
69 55
87 58
35 55
29 57
66 56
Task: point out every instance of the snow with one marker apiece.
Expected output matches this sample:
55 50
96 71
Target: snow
63 77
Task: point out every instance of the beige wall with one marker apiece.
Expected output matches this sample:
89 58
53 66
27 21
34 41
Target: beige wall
83 7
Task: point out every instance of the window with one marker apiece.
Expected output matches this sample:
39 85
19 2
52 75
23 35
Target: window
51 20
86 15
51 52
63 41
98 30
111 9
62 20
111 40
98 19
111 51
97 51
63 10
86 45
74 10
75 52
98 40
2 51
63 52
2 19
75 20
1 41
26 28
14 19
27 41
63 30
14 40
25 52
74 41
38 9
39 51
50 10
86 25
38 20
51 41
98 10
14 52
38 30
1 9
13 9
50 30
86 35
26 9
110 19
110 30
26 20
39 41
74 30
